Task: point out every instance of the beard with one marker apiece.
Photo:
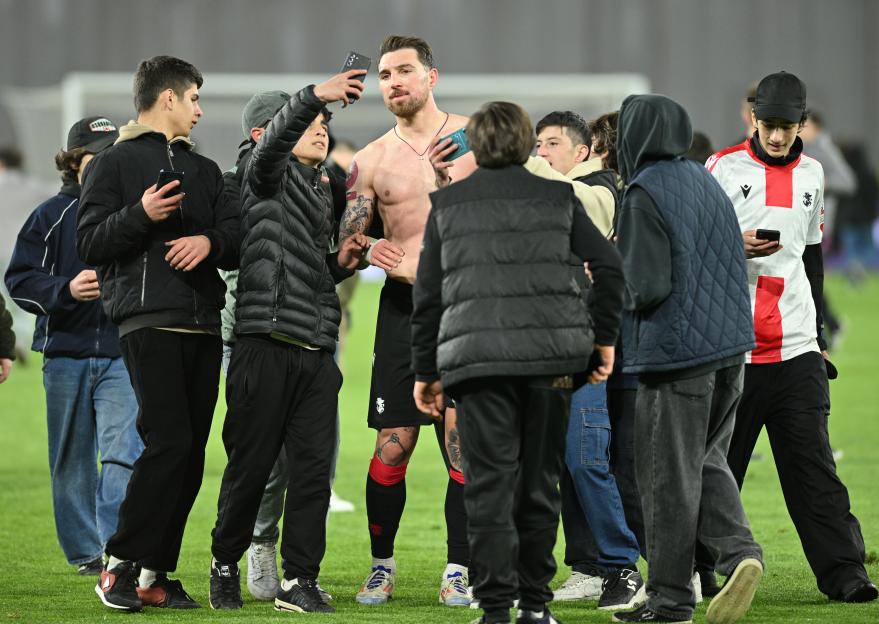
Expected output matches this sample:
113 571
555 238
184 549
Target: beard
409 107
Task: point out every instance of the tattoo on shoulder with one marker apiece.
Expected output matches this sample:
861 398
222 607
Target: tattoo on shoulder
352 175
357 216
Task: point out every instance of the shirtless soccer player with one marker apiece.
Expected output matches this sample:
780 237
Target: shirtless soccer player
393 174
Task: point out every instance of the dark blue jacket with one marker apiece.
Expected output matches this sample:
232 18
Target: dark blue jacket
683 254
38 278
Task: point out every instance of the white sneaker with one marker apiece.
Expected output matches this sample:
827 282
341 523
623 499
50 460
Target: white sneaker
262 570
378 587
454 590
339 505
579 586
697 587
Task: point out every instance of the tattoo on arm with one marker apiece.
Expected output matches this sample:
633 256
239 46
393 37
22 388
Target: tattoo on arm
453 446
357 216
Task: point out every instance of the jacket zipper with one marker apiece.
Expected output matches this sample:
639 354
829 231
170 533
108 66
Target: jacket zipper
143 279
183 233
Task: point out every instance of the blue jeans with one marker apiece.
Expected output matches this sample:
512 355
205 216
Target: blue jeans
90 409
598 540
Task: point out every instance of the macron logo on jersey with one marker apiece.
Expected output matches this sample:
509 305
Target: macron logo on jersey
746 188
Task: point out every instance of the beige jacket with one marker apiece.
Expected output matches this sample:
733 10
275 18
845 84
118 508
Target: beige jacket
597 200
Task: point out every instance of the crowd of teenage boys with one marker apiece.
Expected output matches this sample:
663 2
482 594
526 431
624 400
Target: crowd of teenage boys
598 332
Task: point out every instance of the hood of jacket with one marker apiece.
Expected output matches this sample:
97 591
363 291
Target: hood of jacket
133 130
651 127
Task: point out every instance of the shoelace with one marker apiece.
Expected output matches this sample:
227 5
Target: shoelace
260 561
456 581
127 577
376 578
615 579
575 582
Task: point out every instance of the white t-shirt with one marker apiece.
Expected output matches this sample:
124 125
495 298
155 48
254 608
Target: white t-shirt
788 198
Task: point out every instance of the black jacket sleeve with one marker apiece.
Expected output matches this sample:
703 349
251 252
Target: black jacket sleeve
605 265
813 260
272 154
646 251
29 278
7 336
105 229
427 304
225 233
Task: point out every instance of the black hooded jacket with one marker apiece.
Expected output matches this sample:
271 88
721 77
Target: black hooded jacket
139 288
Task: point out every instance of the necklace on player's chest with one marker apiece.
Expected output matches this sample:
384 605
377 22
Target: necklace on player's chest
435 134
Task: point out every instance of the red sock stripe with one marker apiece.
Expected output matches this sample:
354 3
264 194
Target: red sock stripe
456 475
767 320
384 474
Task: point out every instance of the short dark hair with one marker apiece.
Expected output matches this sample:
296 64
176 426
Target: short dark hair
701 148
156 74
68 162
572 123
500 134
604 138
11 157
392 43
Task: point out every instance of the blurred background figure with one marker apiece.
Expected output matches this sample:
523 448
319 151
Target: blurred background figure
856 214
19 193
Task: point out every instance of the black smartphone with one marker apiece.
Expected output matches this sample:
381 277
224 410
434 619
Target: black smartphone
355 60
166 176
459 138
768 235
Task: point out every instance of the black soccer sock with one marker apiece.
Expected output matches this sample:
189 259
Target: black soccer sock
384 508
456 524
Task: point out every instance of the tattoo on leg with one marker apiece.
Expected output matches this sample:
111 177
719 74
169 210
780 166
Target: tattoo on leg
393 440
453 446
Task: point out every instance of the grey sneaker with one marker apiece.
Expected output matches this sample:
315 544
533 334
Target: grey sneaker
734 600
262 570
579 586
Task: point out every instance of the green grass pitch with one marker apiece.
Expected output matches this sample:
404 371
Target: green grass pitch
36 584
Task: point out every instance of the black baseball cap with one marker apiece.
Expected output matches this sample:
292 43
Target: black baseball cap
92 134
780 95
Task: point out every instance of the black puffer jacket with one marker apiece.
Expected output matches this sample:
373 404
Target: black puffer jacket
139 288
286 283
500 284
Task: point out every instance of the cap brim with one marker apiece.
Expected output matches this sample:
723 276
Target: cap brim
772 111
99 144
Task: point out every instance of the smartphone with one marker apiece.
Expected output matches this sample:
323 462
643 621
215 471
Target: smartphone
166 176
355 60
769 235
459 138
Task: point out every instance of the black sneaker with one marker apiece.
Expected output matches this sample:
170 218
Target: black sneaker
622 589
865 592
643 614
710 588
523 616
166 594
225 586
117 588
91 568
302 597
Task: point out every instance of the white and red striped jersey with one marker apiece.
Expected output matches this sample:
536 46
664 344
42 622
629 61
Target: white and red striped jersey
788 198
